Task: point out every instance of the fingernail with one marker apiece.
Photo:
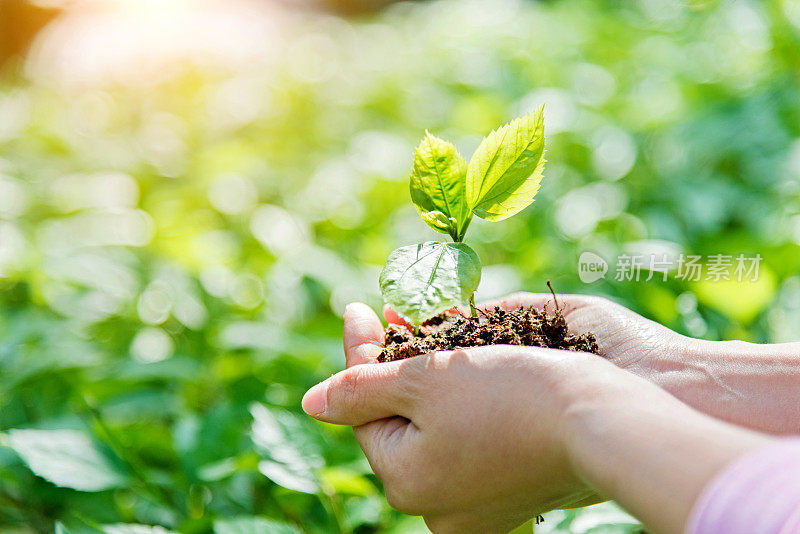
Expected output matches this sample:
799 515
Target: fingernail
316 399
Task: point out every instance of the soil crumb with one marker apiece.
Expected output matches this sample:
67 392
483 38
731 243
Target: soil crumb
450 330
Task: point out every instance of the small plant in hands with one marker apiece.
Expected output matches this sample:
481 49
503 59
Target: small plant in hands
424 282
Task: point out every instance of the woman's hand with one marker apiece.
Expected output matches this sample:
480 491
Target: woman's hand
756 386
483 439
471 440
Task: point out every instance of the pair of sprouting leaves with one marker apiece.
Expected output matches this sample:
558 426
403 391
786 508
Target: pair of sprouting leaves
500 180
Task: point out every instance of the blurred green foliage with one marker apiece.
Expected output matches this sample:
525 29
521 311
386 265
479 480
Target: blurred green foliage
175 255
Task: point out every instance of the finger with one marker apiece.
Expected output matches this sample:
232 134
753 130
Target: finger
392 317
365 393
363 335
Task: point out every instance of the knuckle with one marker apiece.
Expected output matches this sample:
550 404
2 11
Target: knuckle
446 363
441 359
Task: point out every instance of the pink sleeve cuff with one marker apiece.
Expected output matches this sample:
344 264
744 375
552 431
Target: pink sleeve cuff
758 492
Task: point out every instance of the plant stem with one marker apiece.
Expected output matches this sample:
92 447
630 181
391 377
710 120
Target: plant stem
463 230
458 239
554 294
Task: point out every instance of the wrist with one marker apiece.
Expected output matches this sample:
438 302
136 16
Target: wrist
679 352
632 442
694 370
592 403
610 411
651 453
751 385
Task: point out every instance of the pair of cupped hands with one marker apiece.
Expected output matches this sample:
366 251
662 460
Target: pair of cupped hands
483 439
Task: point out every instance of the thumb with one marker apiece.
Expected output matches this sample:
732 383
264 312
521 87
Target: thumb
365 393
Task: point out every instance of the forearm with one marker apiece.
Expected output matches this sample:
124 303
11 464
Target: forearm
756 386
652 454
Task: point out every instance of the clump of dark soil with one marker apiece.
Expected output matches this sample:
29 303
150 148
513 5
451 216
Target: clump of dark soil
450 330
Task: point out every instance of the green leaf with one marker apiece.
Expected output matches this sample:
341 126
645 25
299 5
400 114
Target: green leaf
422 280
438 185
288 459
66 458
741 301
253 525
440 222
218 470
607 517
504 174
344 480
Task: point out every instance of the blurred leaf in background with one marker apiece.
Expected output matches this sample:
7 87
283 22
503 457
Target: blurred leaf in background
191 193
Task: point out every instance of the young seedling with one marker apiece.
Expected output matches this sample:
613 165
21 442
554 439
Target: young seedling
501 179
